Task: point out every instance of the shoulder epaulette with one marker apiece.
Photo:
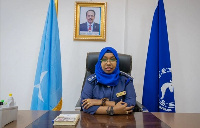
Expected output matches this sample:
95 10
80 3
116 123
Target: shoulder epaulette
92 77
126 74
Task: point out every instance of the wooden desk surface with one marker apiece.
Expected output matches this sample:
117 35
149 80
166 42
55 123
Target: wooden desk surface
24 118
135 120
86 120
180 120
33 119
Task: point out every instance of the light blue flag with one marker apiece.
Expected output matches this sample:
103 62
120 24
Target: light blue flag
47 92
158 92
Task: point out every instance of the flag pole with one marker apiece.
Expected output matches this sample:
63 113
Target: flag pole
56 4
59 105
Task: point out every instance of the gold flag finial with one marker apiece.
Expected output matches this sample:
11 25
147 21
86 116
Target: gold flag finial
56 4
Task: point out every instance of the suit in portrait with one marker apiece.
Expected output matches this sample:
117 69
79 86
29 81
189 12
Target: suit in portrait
83 27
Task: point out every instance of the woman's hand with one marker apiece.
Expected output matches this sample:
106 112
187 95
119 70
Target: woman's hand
121 108
86 103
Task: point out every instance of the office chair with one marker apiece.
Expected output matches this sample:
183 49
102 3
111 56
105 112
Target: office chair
125 65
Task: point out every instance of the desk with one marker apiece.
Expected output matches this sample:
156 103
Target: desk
24 118
43 119
180 120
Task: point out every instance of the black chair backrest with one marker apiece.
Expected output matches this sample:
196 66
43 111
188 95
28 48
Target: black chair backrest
125 63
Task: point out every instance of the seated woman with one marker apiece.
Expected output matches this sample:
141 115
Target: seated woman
108 91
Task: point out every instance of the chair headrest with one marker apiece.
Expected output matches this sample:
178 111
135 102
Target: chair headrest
125 62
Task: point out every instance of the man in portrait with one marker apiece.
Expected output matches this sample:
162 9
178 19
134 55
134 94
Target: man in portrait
90 25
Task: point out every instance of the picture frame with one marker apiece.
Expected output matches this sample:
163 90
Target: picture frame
90 21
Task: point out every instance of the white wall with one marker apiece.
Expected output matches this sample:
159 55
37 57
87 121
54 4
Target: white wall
21 31
128 30
138 25
184 37
0 47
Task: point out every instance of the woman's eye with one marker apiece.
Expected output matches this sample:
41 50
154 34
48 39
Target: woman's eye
113 59
104 60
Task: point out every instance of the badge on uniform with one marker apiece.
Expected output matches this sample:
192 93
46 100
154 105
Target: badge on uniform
121 93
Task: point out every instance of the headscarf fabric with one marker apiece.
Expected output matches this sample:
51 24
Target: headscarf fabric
111 79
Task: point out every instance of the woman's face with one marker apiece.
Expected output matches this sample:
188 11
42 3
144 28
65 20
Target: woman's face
108 63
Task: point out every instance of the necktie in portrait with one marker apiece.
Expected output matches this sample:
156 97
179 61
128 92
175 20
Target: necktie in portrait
89 29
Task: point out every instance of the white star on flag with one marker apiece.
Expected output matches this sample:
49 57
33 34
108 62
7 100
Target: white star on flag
38 85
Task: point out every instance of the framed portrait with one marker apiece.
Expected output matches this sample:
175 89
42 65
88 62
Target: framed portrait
90 21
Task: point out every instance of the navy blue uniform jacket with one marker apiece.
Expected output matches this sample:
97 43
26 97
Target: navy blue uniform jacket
94 90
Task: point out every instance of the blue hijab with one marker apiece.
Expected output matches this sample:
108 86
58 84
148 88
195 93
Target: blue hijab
102 77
